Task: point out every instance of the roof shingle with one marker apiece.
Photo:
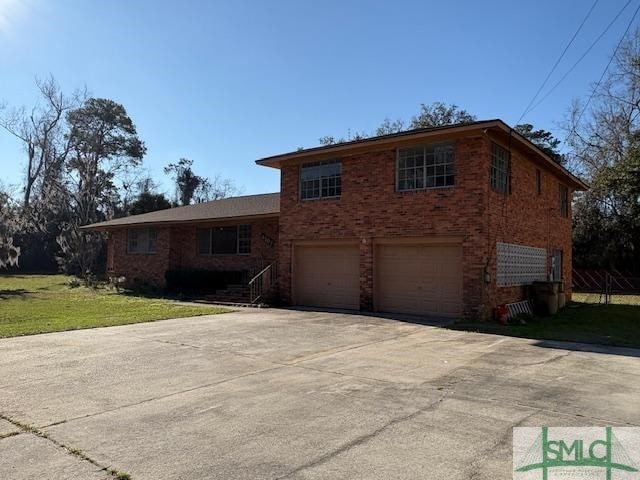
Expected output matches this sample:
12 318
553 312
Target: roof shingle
267 204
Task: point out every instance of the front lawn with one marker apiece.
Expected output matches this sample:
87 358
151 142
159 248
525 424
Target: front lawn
45 303
614 324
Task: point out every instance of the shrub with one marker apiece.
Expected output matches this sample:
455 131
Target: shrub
202 281
143 287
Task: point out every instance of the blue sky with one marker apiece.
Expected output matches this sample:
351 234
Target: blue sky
227 82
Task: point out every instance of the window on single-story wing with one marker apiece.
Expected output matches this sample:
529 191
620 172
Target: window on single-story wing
225 240
142 241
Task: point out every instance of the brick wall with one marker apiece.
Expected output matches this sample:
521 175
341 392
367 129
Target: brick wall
370 208
177 248
527 218
147 268
184 253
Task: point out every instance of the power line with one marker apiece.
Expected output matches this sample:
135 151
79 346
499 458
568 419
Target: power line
598 38
604 72
555 65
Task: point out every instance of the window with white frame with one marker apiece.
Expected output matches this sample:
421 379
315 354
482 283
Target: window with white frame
226 240
499 168
520 264
142 241
425 166
321 180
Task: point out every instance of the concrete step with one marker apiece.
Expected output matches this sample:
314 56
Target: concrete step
231 294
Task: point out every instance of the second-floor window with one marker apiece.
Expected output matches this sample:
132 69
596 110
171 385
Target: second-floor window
227 240
426 166
321 180
499 168
564 200
141 241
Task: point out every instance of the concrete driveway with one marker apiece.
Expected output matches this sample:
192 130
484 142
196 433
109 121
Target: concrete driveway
271 394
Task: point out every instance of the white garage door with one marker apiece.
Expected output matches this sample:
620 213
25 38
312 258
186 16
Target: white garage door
419 279
326 276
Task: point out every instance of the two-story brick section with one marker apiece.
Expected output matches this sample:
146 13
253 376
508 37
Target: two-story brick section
446 221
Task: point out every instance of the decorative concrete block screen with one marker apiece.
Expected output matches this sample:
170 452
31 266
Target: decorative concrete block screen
520 265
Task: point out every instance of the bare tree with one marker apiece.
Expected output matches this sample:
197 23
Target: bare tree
604 136
351 137
215 189
389 126
42 133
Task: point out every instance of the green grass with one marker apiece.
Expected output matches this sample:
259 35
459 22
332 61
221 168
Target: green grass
32 304
597 298
614 324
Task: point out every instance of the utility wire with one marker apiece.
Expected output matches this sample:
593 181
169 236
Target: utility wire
598 38
604 72
555 65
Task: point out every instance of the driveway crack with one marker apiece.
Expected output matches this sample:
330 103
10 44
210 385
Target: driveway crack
362 439
160 397
504 438
25 428
547 361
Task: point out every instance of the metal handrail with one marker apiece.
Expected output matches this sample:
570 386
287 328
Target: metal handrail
262 282
260 273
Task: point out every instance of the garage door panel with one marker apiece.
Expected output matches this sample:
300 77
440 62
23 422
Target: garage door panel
419 279
327 276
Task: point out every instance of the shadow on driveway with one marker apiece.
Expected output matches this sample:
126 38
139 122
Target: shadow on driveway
588 347
417 319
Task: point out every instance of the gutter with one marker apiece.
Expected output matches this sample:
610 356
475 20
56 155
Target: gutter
107 225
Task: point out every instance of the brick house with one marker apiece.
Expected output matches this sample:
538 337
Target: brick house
447 221
233 234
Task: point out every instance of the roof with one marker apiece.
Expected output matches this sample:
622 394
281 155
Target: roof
393 139
263 205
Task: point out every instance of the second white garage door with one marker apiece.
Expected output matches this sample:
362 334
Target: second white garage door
419 279
326 276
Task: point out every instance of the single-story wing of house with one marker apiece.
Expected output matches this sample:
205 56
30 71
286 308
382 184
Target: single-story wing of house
446 221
